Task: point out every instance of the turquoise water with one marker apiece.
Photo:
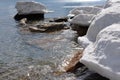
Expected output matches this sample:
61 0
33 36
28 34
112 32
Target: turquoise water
17 56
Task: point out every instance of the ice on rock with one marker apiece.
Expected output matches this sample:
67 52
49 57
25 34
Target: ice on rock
105 18
85 10
103 56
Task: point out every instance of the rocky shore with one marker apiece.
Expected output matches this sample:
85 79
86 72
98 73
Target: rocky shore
98 30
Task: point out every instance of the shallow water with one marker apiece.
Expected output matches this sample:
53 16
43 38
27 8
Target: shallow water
21 58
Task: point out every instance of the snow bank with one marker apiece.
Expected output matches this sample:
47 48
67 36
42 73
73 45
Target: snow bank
30 8
82 19
105 18
103 56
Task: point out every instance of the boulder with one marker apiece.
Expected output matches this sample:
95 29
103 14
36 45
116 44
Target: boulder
82 19
30 10
47 27
103 55
105 18
59 19
85 10
81 30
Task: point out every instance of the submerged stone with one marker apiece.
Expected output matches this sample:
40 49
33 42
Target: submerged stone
47 27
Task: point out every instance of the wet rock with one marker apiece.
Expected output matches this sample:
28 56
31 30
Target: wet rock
30 10
81 30
60 19
71 63
36 29
95 76
37 16
47 27
23 21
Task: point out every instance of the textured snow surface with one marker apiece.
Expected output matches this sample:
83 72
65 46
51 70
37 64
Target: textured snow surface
103 56
105 18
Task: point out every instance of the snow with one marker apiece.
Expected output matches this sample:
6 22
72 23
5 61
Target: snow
103 56
83 41
82 19
105 18
102 42
30 7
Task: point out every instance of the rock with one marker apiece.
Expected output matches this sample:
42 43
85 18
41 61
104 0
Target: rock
81 30
105 18
30 10
47 27
23 21
103 55
38 16
71 62
60 19
82 19
85 10
36 29
95 76
80 23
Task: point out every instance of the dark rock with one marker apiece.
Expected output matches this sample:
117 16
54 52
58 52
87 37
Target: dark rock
47 27
95 76
61 19
39 16
81 30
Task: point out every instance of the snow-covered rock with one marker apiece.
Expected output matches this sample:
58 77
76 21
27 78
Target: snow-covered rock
30 7
105 18
85 10
82 19
103 56
112 3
